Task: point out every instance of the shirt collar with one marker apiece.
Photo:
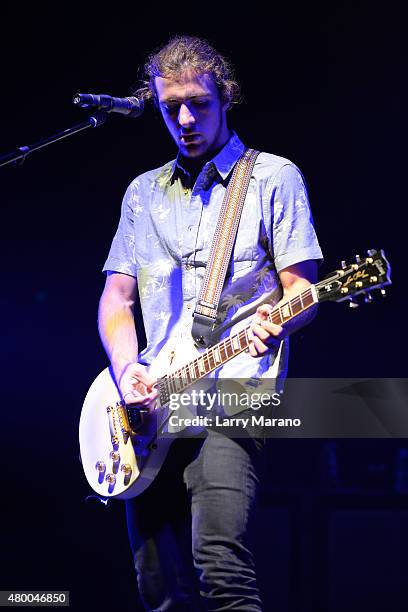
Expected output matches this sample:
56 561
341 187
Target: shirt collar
223 162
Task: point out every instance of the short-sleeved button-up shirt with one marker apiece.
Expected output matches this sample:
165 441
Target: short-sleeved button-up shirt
165 234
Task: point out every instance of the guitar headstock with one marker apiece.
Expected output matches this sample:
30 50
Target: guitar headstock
361 277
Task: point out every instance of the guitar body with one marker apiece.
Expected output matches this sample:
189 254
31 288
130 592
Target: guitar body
122 448
120 465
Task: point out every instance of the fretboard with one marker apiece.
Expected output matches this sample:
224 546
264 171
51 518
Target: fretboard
222 352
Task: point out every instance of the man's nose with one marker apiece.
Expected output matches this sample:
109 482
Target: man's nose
185 117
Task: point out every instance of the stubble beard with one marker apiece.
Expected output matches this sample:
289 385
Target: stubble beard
209 149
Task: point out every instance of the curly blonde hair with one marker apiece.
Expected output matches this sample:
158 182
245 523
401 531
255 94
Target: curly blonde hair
183 53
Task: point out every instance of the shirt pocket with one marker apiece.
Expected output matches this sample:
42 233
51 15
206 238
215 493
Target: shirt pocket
246 243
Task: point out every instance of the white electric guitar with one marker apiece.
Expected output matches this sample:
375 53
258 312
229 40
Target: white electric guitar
122 446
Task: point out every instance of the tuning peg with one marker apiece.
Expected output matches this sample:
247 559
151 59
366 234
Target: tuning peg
343 265
353 304
370 252
383 293
368 298
358 258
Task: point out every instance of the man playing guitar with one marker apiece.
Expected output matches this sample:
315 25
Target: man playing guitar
190 531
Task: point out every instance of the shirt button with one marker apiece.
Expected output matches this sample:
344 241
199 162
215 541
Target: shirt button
190 228
189 307
188 266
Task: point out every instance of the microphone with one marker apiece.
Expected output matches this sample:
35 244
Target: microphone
131 107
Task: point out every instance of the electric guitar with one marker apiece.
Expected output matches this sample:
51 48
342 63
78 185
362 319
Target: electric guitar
122 446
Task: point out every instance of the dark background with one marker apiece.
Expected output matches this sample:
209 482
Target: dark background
324 85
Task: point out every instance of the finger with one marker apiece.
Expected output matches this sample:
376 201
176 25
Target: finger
152 394
251 348
139 394
139 373
259 331
133 397
271 329
256 347
262 340
148 393
146 379
264 311
260 347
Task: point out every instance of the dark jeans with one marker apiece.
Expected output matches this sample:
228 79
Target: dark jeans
190 531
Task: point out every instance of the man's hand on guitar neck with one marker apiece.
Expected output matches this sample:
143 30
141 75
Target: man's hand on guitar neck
265 335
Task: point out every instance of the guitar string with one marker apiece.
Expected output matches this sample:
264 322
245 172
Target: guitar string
275 316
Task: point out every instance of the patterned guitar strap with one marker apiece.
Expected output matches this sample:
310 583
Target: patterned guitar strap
205 314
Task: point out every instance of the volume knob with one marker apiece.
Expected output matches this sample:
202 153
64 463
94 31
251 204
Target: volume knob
100 466
126 469
110 479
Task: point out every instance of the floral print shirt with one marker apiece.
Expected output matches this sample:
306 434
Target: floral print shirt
164 237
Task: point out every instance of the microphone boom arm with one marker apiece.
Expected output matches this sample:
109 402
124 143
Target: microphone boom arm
18 156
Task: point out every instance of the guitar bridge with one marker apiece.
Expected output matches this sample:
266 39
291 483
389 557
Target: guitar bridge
119 422
124 420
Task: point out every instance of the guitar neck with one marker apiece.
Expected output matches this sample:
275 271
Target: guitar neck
222 352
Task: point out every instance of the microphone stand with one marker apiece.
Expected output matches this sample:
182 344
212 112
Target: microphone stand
19 156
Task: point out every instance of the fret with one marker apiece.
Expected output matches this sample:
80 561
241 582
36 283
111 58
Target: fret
275 316
241 340
205 362
211 360
278 318
196 368
171 383
189 377
235 343
201 367
246 338
223 351
285 312
296 306
228 348
309 298
183 380
293 307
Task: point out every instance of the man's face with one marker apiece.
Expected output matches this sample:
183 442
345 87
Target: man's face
193 112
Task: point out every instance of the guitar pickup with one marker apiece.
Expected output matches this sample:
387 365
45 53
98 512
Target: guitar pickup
134 417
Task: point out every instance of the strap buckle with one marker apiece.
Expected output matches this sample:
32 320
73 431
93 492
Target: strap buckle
202 329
